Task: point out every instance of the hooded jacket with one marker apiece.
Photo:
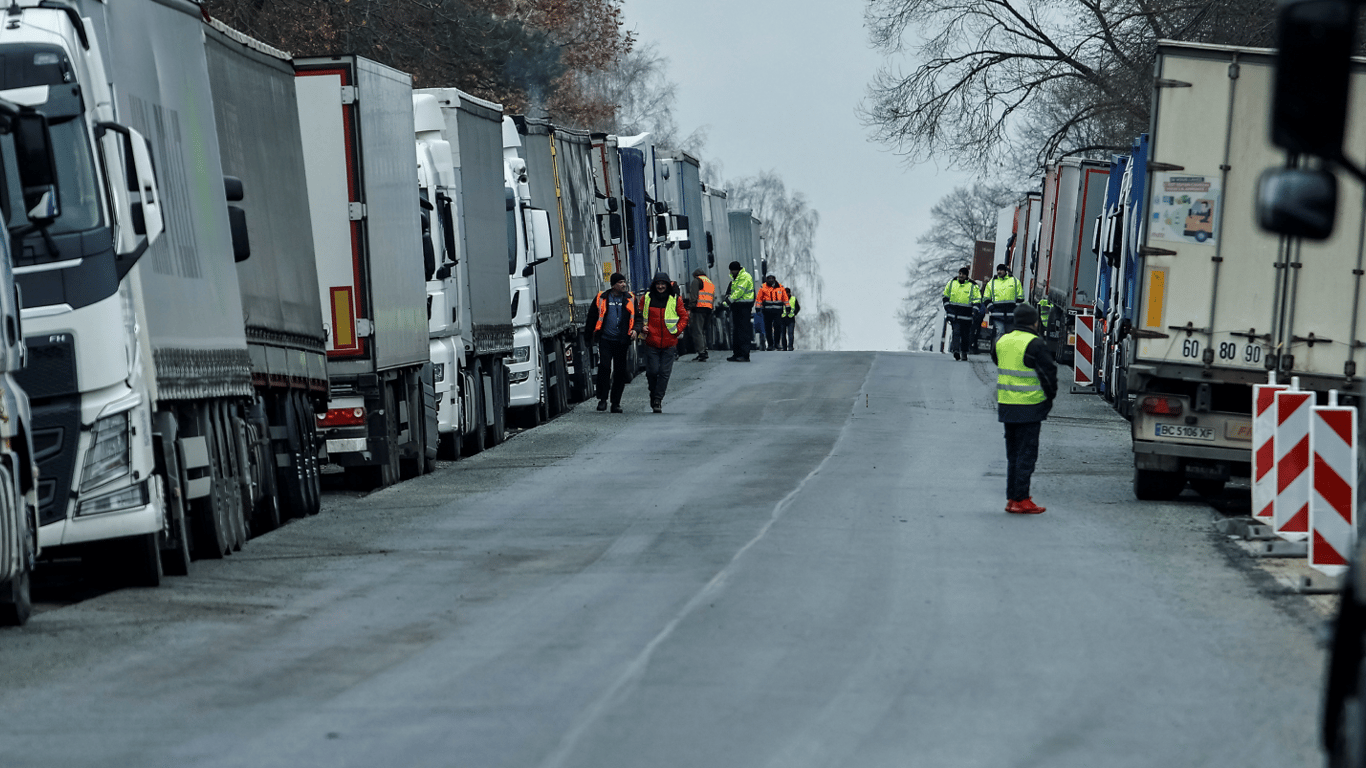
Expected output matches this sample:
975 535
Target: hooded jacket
650 324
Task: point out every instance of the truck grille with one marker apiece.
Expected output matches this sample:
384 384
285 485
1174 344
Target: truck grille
56 432
51 368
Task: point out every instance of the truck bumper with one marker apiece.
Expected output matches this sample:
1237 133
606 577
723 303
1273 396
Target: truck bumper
84 529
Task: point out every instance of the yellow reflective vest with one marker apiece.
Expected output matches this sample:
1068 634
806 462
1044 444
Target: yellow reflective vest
741 288
965 292
1004 289
790 310
1016 384
670 312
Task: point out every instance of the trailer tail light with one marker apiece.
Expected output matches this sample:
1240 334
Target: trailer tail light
342 417
1162 406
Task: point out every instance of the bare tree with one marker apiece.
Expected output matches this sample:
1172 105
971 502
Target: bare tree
991 77
789 234
638 85
959 219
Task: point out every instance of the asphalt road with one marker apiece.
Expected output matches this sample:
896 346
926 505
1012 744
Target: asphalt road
803 562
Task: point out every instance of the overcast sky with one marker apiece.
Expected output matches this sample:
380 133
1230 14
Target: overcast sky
776 85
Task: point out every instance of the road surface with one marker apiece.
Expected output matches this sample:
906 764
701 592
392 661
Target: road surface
803 561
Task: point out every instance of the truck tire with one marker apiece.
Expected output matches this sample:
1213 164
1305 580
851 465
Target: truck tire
292 478
377 476
175 540
210 527
16 601
475 390
583 371
562 377
226 427
415 396
308 432
1155 485
498 380
16 598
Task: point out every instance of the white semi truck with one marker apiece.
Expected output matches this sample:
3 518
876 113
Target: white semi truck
26 157
473 234
140 368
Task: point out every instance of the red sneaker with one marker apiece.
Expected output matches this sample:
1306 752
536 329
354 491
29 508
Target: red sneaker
1012 506
1028 507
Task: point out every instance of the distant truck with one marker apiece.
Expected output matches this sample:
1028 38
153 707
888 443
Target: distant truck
1073 196
357 117
1218 302
470 324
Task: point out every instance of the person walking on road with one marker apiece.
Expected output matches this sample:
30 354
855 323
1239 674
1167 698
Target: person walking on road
740 299
703 294
772 297
961 295
790 311
661 320
1026 383
612 320
1002 293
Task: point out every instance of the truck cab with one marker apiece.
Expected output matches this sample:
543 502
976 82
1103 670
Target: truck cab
88 375
529 244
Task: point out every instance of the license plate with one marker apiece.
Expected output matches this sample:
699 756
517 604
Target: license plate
1184 432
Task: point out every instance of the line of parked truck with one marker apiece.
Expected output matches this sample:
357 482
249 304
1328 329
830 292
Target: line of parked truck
229 265
1193 303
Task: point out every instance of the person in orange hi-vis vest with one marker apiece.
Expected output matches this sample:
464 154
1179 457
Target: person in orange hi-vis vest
703 293
773 298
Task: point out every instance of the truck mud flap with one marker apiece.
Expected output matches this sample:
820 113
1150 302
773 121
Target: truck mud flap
194 459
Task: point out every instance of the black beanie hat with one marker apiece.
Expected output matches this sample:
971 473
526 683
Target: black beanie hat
735 265
617 277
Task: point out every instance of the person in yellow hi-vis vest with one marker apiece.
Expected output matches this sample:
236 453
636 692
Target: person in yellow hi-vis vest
1026 383
961 295
661 319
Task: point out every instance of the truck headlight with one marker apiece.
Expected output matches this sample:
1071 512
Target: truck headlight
107 459
517 377
521 354
129 498
439 372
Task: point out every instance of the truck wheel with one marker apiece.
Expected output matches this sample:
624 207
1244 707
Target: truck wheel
308 436
175 558
232 473
498 379
475 390
141 557
562 398
377 476
410 468
16 601
1155 485
208 514
292 478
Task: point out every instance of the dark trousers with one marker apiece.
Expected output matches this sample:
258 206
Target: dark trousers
741 329
1022 451
789 330
659 366
612 368
773 327
699 326
962 331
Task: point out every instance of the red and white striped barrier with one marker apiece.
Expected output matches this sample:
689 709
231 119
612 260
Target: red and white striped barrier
1290 516
1333 472
1264 449
1083 361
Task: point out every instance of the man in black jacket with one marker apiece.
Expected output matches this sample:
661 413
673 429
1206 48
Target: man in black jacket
1026 384
611 319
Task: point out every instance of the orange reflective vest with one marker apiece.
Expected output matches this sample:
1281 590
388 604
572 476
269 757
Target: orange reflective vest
630 310
707 296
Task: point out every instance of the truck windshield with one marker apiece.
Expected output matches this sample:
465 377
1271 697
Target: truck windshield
76 175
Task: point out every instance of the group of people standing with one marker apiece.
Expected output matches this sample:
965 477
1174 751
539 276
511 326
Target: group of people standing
661 315
966 304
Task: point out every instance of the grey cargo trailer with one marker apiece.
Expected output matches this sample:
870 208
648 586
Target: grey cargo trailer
260 145
356 118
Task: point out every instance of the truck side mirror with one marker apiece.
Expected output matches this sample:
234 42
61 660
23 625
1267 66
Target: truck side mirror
37 167
1313 71
609 229
136 202
541 244
1297 202
237 219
